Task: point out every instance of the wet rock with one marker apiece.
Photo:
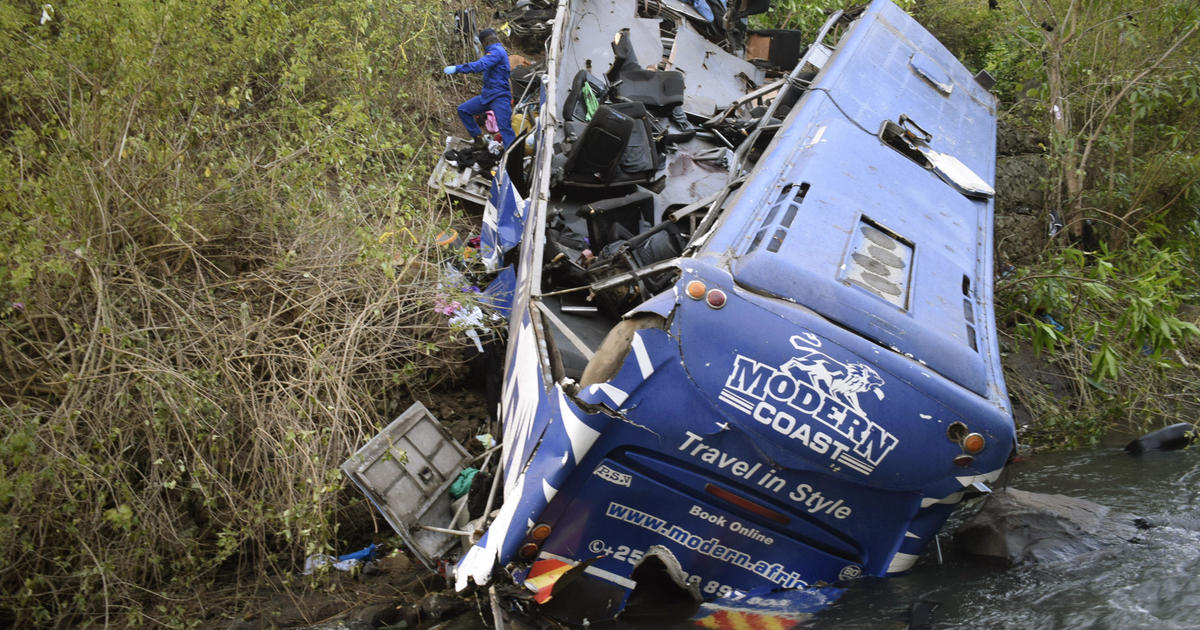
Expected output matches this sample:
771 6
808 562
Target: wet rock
1017 527
1021 223
1170 438
289 610
1020 238
377 615
464 621
920 614
439 606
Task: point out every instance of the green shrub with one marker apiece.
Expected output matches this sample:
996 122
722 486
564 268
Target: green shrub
1109 322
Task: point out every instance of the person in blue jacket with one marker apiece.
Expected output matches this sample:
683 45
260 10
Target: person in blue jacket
496 94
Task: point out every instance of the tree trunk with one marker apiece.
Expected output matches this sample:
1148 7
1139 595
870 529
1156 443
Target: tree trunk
1071 173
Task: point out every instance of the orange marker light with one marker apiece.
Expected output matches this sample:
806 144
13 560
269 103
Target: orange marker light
974 443
540 532
695 289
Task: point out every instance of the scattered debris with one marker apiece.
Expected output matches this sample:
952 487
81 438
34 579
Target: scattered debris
343 562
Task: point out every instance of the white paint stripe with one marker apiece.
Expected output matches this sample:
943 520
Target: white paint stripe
902 562
850 459
549 491
546 555
600 573
643 357
469 568
614 394
910 535
520 414
490 215
949 499
518 201
735 401
478 562
580 435
986 478
856 464
611 577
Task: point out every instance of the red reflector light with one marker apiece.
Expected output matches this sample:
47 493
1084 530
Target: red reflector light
528 551
963 460
716 298
746 504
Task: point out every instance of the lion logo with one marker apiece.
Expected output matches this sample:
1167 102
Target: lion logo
842 381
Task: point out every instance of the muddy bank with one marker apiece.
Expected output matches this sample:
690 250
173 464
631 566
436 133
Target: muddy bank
395 593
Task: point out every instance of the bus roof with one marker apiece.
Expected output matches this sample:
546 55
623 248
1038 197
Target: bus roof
866 234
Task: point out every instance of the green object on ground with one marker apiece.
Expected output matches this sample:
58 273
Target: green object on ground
463 483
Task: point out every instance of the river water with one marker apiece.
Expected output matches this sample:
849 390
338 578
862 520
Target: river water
1152 583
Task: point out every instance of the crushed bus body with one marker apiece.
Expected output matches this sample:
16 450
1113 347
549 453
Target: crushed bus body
751 346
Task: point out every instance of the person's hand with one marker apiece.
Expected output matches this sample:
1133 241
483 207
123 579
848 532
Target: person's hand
450 69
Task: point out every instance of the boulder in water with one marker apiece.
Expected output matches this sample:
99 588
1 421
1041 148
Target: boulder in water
1016 527
1170 438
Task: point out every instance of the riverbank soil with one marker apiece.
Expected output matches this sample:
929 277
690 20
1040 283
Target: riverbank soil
391 591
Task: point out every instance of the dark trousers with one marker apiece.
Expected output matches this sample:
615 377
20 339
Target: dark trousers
500 106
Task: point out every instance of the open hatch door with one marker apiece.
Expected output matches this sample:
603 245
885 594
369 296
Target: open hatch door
406 472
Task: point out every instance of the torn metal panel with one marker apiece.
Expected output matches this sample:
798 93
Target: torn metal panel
503 222
683 9
707 71
957 174
689 180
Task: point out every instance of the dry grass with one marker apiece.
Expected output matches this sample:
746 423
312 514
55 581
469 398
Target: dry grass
213 297
182 423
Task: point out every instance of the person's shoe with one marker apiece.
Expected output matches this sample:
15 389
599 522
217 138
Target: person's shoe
479 142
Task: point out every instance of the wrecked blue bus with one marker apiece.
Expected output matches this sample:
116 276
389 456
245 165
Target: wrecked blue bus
751 346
